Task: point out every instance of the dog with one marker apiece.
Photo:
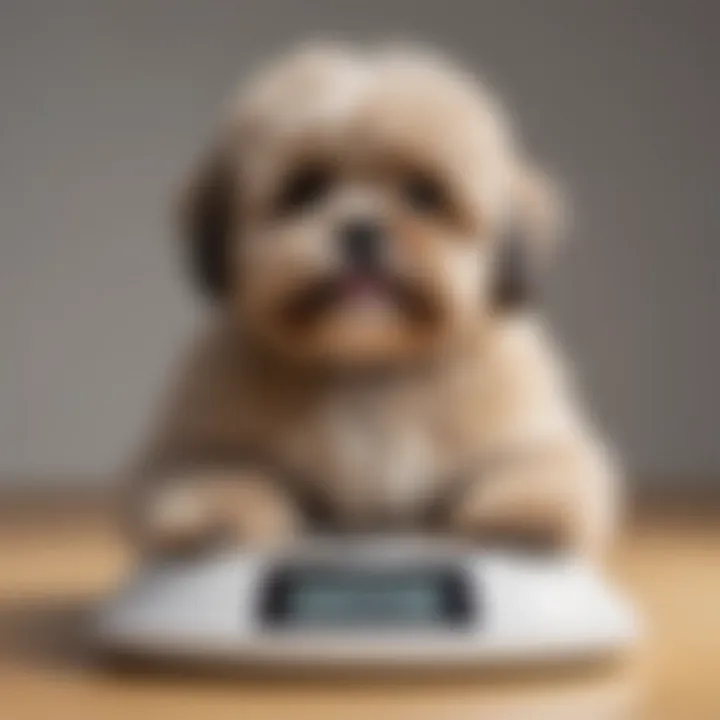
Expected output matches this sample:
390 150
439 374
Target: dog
367 225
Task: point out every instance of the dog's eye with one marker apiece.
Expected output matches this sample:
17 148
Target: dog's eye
304 187
425 194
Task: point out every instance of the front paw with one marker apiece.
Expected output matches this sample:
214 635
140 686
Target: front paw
191 513
560 499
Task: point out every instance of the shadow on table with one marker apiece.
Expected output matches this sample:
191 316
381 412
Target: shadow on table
48 632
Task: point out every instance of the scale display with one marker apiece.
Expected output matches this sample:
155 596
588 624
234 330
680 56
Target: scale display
360 598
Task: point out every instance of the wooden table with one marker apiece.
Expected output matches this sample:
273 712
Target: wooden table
52 566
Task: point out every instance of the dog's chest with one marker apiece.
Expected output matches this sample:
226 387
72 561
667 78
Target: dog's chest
372 455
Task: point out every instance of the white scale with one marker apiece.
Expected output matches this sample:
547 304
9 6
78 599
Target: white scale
339 603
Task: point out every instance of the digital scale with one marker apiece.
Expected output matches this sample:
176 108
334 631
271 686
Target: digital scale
339 603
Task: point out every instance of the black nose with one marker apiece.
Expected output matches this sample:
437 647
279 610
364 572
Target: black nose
361 242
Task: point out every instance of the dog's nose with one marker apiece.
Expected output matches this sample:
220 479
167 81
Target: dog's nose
361 241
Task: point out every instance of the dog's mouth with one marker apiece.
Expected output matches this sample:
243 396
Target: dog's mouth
311 303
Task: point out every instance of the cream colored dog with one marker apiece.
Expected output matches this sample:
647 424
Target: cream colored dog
371 362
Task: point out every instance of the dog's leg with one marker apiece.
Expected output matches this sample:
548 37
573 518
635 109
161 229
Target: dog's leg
195 509
563 496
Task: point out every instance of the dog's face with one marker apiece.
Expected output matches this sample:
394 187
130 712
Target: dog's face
352 211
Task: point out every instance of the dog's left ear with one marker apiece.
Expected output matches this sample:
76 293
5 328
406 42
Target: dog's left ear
531 232
207 220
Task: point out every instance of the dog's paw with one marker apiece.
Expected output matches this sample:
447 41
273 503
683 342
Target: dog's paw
194 512
561 499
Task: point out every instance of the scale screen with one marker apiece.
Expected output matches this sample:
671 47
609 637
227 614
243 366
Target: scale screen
347 598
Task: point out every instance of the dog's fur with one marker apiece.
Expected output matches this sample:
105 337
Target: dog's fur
427 396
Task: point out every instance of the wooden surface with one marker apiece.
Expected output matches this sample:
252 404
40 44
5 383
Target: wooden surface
53 566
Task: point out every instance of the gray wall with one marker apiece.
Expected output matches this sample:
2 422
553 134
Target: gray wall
104 103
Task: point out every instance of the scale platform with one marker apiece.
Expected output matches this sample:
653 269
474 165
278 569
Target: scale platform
341 603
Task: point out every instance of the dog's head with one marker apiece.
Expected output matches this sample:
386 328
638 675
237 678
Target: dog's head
355 208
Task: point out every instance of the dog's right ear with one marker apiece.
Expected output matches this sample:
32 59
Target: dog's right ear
207 219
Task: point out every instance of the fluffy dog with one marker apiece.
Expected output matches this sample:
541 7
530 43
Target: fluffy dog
362 222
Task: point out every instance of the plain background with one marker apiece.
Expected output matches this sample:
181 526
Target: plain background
103 106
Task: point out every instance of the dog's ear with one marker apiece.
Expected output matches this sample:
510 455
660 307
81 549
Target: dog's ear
207 219
532 228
